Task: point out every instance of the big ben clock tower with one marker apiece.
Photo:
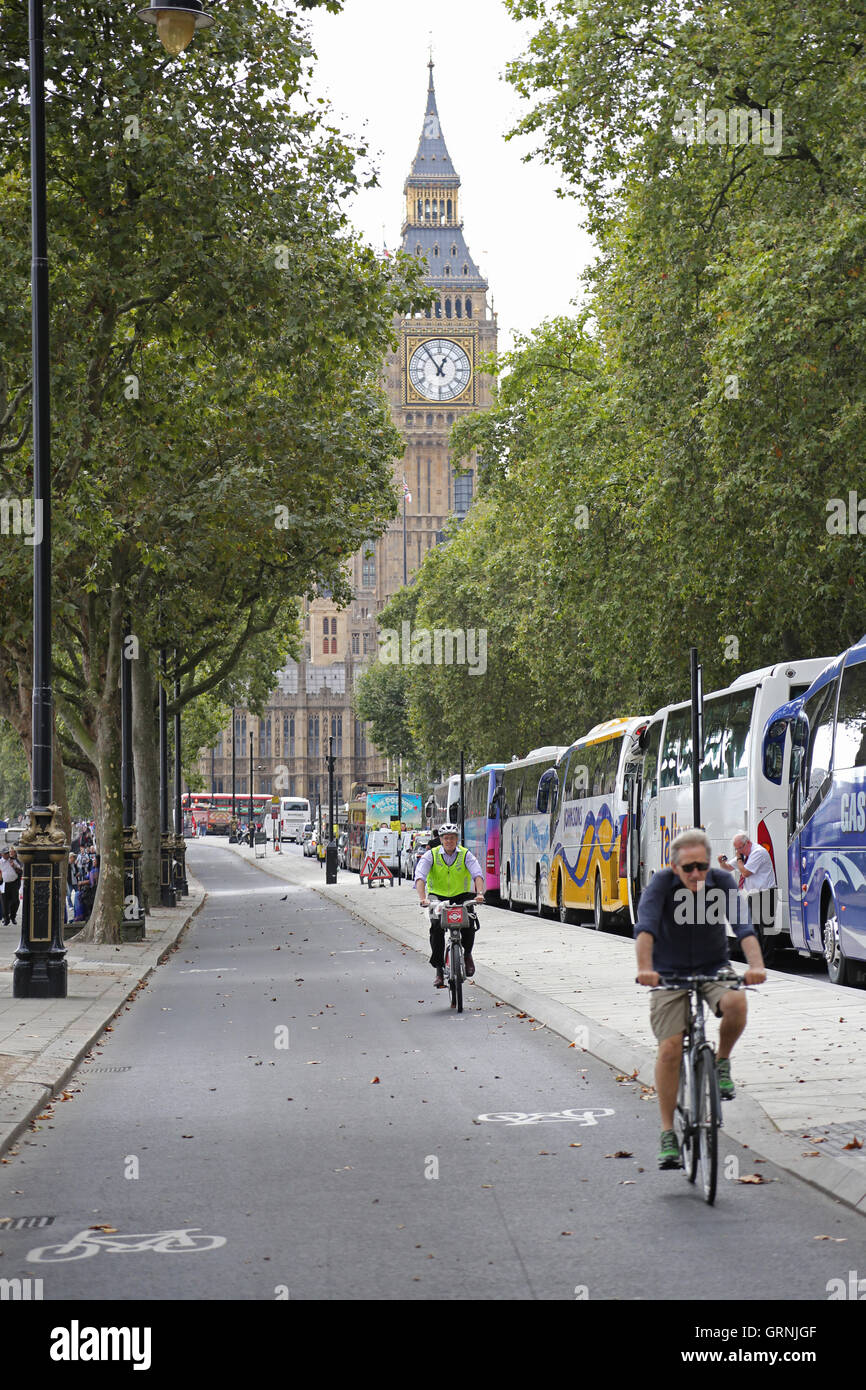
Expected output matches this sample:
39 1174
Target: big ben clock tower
434 378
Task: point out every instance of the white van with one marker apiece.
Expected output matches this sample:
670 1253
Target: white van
294 814
385 844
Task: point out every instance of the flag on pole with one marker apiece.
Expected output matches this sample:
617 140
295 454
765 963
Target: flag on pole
406 493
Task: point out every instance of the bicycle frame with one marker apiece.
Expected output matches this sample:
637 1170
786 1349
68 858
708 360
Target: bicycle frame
698 1100
452 918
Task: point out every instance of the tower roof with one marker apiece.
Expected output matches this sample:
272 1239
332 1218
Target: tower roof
432 160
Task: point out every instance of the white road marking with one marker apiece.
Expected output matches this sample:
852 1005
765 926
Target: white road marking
543 1117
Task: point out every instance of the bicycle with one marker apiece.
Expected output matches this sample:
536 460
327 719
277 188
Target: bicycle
698 1114
452 918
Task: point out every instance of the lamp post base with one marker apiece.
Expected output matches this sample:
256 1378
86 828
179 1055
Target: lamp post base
39 971
132 926
167 896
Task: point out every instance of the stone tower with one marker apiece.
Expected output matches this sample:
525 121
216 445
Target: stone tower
431 380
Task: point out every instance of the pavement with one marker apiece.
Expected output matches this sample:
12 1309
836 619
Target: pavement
42 1041
800 1067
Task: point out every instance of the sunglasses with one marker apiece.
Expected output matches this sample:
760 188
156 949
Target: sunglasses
699 866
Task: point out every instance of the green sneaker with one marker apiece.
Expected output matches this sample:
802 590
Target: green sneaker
727 1089
669 1151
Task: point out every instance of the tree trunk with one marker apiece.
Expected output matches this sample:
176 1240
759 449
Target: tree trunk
145 748
107 915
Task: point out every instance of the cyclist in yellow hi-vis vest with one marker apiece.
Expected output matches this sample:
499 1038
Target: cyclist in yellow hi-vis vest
449 871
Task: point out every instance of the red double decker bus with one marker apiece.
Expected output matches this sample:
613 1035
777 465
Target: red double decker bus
214 810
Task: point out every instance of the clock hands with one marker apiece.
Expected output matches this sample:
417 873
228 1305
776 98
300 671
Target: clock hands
439 366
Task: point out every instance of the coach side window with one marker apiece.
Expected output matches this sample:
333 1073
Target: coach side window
820 712
850 748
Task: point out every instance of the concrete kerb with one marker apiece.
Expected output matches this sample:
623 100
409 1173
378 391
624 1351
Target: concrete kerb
46 1076
748 1124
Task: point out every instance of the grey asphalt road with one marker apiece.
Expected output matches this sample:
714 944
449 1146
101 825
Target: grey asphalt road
289 1110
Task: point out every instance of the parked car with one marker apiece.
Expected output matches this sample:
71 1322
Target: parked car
307 846
343 850
415 844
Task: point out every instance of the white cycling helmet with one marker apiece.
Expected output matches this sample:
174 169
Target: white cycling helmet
449 829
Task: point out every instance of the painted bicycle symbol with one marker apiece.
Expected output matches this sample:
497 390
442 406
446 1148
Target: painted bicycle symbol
90 1242
543 1117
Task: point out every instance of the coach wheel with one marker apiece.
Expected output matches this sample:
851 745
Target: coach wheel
510 902
565 914
540 906
838 965
599 916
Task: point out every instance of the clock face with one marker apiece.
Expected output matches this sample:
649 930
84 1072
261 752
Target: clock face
439 369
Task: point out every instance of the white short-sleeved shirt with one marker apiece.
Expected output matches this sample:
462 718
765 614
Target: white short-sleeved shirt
760 867
425 864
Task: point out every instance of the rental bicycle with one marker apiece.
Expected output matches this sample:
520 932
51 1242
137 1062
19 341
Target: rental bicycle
698 1114
452 918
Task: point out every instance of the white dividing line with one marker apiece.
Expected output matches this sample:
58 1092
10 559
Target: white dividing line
211 970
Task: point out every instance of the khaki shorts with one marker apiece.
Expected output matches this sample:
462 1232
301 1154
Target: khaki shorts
669 1009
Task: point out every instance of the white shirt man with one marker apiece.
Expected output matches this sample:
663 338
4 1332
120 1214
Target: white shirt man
753 865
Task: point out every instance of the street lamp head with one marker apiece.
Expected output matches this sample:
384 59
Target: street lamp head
176 24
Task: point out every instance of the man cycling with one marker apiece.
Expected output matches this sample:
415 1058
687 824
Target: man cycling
449 871
680 930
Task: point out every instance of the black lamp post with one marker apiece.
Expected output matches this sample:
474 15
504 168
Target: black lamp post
181 885
233 833
166 857
39 971
132 928
251 789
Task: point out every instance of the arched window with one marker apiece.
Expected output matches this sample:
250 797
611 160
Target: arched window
418 252
429 422
420 204
441 209
447 308
447 270
454 249
427 210
427 313
438 308
468 307
449 419
326 627
449 209
436 249
466 270
459 307
410 420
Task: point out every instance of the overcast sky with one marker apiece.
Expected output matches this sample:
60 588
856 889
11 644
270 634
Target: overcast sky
372 65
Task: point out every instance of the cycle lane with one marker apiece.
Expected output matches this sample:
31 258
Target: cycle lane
800 1067
393 1150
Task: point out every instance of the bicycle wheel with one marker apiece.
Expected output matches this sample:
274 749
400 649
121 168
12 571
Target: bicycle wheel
458 974
707 1115
684 1117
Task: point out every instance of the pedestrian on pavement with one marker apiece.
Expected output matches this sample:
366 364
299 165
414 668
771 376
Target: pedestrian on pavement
753 868
681 930
19 870
9 878
70 888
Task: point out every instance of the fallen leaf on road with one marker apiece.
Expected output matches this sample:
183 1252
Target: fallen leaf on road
575 1146
375 1081
627 1182
620 1153
109 1230
751 1177
812 1153
566 1233
855 1144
